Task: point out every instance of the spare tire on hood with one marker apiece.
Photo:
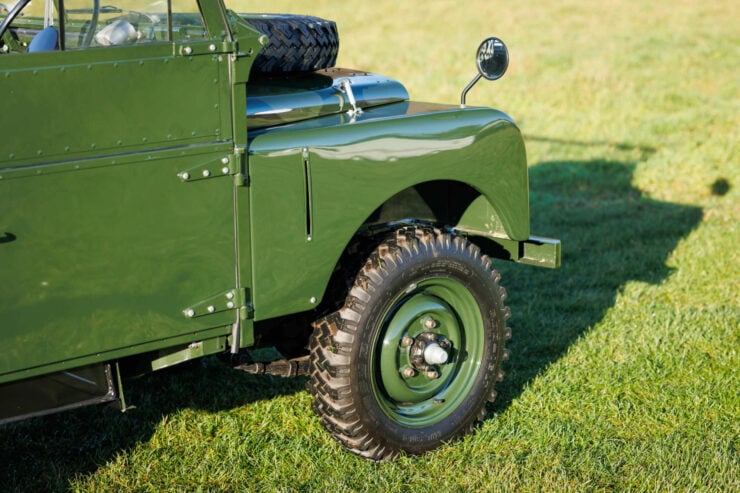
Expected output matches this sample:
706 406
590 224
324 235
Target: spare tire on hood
297 43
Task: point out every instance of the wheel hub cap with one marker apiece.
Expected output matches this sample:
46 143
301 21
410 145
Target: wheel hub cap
434 354
426 355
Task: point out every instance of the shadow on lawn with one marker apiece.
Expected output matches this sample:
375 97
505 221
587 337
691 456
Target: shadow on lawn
44 454
611 234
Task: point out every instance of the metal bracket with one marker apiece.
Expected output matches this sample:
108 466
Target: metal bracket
229 300
345 86
542 252
241 178
203 48
280 368
227 165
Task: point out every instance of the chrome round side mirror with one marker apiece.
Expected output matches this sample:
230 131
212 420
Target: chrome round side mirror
492 60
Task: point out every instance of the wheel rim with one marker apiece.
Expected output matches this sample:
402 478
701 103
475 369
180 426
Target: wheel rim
420 400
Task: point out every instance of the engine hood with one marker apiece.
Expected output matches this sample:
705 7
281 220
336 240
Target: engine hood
291 99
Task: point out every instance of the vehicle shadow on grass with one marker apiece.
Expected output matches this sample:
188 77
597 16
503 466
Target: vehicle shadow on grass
611 232
46 453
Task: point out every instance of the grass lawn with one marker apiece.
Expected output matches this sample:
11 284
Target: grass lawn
625 372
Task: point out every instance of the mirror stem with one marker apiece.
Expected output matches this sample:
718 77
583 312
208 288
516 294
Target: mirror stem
467 88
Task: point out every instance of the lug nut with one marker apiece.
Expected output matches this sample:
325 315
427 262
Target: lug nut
430 323
432 374
409 372
407 341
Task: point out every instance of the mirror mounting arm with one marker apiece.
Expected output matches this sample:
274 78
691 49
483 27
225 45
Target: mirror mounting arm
467 88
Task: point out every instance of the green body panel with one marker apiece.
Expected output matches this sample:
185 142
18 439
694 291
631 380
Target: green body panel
314 184
104 244
143 85
105 256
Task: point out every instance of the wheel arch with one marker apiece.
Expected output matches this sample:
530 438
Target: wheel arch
447 204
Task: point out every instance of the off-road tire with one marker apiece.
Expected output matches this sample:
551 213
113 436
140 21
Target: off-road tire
296 44
414 273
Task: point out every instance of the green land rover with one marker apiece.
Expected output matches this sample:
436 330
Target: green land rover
178 180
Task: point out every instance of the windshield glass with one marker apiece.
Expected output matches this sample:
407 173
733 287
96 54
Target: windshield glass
90 24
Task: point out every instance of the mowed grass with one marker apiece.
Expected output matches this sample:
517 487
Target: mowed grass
624 367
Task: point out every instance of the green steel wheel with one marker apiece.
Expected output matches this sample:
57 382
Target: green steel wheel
412 357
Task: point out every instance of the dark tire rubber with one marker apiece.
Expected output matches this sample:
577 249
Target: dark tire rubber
347 347
296 44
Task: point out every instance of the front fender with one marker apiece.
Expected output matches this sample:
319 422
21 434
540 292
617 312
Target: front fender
314 184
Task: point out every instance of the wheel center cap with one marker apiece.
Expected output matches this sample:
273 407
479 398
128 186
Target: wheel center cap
429 350
434 354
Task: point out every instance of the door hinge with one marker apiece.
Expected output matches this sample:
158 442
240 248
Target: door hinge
229 164
233 299
203 47
241 177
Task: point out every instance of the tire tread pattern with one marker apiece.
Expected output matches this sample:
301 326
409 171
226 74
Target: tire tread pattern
296 44
333 336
